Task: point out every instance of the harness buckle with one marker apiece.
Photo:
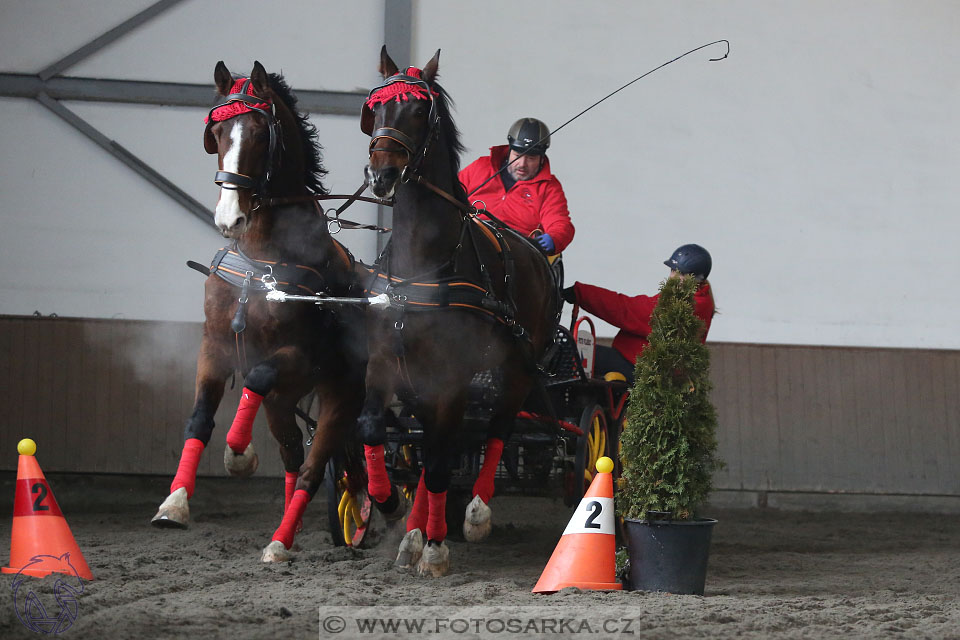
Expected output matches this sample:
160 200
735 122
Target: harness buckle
404 176
244 298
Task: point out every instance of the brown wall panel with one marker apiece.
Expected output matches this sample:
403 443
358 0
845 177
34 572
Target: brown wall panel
112 396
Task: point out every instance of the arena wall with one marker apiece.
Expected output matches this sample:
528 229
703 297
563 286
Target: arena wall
111 396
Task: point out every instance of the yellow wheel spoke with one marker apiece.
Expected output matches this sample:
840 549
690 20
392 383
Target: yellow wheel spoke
347 533
355 510
342 507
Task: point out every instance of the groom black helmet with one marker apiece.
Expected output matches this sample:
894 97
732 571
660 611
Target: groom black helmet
692 259
530 135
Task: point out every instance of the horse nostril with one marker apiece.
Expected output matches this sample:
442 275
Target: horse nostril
239 222
389 174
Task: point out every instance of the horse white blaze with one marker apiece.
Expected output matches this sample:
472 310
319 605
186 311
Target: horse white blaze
228 205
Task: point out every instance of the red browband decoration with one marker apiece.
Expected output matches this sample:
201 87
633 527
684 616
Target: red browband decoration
400 90
232 109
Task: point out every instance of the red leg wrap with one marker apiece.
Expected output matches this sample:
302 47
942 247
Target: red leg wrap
187 469
483 487
293 515
437 519
418 514
289 486
378 484
241 431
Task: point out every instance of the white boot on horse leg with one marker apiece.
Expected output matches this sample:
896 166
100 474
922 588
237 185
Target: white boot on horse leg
241 464
435 560
476 520
411 549
276 552
174 512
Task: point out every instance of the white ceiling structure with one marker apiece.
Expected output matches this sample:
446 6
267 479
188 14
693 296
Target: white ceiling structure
817 162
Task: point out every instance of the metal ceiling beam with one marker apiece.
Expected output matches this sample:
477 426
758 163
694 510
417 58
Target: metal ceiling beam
121 153
106 39
398 30
18 85
398 37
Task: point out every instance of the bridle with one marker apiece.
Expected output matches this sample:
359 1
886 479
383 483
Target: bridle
415 153
250 102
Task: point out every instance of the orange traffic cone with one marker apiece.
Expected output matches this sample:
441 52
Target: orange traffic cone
41 542
585 557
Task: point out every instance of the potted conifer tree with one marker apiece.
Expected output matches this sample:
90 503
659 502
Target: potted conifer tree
668 450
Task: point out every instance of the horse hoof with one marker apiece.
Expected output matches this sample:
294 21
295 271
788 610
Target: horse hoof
476 521
411 549
276 552
435 560
174 512
393 508
243 464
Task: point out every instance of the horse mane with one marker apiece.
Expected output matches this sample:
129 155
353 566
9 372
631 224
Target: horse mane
450 134
312 150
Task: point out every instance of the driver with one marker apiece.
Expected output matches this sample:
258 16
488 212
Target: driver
525 196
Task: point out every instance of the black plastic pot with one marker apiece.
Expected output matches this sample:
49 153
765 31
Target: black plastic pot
667 555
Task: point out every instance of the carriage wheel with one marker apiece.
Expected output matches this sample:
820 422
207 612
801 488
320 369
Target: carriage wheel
591 446
348 513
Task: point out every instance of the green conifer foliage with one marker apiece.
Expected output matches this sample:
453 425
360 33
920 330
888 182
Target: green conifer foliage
668 446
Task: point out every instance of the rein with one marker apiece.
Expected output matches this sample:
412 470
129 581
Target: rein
335 217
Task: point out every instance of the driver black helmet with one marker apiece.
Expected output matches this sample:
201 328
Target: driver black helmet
526 133
692 259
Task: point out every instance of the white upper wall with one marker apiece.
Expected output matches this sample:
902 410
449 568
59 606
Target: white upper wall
816 163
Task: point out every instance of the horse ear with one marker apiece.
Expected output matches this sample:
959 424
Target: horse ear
222 78
261 84
430 69
387 66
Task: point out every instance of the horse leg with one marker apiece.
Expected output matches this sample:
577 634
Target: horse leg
373 434
438 427
239 457
283 425
212 371
411 547
477 522
339 405
435 560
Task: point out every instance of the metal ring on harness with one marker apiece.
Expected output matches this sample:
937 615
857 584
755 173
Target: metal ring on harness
334 226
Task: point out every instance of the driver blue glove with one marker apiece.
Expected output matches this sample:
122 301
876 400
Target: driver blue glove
546 242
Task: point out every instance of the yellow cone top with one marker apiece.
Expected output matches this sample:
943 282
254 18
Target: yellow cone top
604 465
26 447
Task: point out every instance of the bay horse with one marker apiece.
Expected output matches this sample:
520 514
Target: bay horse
466 298
268 152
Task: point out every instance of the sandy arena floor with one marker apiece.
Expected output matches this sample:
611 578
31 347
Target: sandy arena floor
772 574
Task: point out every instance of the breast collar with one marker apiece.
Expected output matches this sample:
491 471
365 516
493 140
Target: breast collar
234 267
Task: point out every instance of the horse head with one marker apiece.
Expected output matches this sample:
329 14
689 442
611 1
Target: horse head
401 117
244 131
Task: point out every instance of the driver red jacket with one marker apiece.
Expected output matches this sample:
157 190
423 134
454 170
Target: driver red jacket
537 203
631 314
